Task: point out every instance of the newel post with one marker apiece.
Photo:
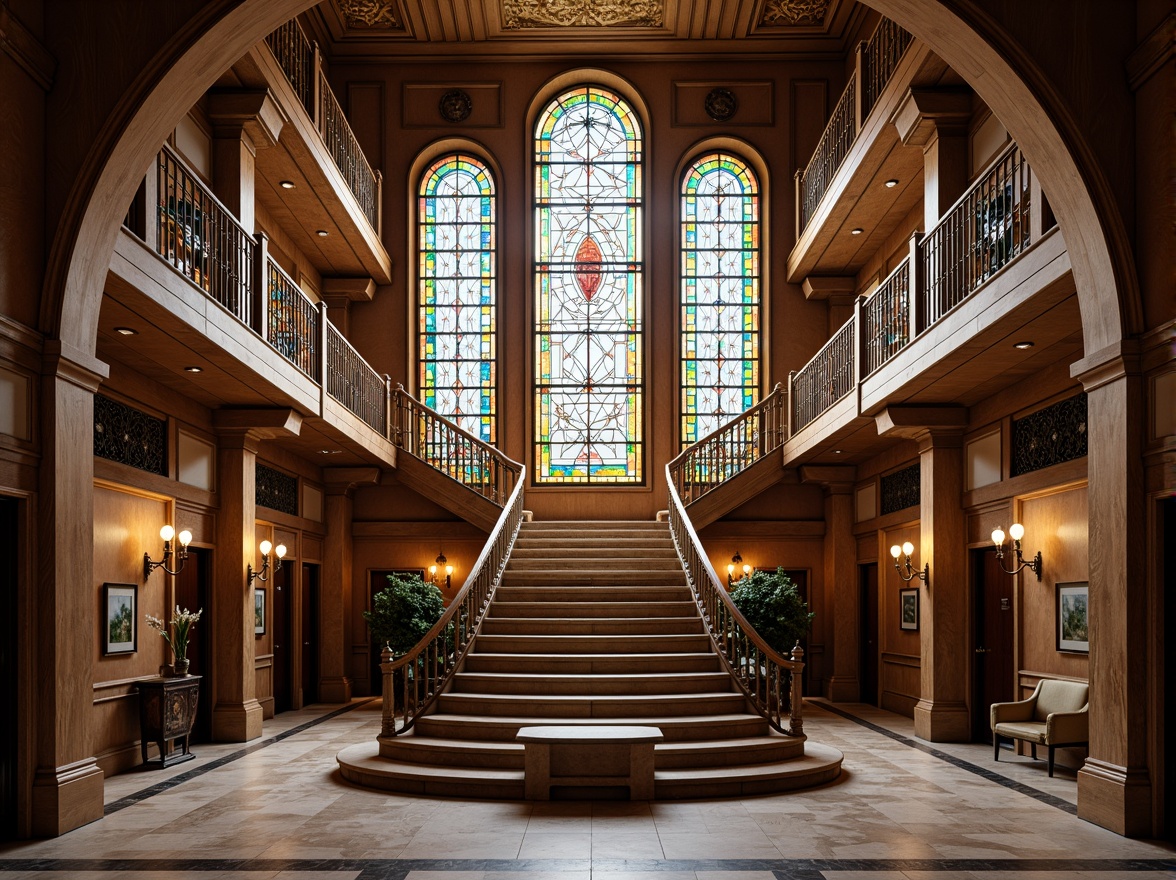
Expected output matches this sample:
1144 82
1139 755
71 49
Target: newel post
915 284
388 718
260 299
795 699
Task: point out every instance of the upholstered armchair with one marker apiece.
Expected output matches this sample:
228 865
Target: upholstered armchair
1053 716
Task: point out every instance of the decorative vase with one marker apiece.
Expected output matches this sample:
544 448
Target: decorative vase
181 666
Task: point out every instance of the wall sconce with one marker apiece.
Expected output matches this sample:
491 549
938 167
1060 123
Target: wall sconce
911 573
441 563
167 533
736 562
265 547
1016 532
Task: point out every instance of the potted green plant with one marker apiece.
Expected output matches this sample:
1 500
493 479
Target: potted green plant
402 614
774 607
176 633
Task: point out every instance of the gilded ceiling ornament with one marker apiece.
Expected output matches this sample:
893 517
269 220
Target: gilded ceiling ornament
779 13
518 14
720 104
375 14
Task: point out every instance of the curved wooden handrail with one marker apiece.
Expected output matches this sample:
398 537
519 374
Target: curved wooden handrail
429 666
757 669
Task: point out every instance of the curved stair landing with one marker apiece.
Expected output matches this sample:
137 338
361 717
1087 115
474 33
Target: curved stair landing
593 624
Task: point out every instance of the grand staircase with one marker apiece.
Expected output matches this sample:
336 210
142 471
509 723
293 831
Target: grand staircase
594 624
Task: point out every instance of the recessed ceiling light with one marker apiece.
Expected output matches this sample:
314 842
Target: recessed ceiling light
837 452
857 231
286 184
193 369
1023 345
126 331
891 184
321 233
330 451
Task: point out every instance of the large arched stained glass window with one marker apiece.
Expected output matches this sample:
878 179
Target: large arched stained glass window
588 290
720 294
456 295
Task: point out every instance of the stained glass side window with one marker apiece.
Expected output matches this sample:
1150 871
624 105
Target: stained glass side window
456 295
720 294
588 291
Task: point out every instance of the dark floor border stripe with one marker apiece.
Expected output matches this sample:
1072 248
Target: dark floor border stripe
396 869
180 779
990 775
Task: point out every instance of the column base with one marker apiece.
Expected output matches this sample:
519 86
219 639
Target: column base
335 690
66 797
1117 798
939 721
236 722
843 689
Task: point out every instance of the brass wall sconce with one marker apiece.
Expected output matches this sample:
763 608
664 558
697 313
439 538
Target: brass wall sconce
263 575
737 562
167 533
1016 532
911 572
441 564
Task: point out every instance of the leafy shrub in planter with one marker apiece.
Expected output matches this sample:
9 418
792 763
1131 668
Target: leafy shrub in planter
404 612
773 606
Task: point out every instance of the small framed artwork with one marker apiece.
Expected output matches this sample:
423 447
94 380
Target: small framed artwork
908 608
259 611
1073 624
120 624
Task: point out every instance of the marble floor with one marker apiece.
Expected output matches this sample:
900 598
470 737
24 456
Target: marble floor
902 810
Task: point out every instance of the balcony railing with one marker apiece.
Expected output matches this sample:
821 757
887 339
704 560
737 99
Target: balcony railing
301 62
732 448
352 381
886 319
201 238
292 328
824 380
875 64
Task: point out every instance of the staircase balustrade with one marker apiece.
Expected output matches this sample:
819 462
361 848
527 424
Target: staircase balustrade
769 680
825 379
731 449
425 671
352 381
879 59
296 56
292 325
886 320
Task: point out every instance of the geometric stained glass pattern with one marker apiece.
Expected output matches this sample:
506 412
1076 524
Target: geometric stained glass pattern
720 294
456 293
589 392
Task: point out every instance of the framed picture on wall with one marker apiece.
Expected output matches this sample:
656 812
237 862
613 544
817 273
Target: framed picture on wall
120 619
1073 624
908 608
259 611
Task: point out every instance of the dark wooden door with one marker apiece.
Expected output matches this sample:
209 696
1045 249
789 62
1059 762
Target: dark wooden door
283 686
1168 561
310 640
993 615
9 579
192 593
868 635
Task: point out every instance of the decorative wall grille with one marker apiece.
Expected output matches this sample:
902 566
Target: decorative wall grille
900 489
129 436
1050 436
275 490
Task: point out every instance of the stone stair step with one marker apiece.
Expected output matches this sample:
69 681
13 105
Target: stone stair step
598 563
452 752
592 626
621 578
819 764
363 765
584 707
589 644
676 729
631 595
589 664
639 683
544 550
728 752
587 610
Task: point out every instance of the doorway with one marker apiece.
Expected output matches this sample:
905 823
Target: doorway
310 633
993 616
1167 515
9 581
283 665
191 589
868 634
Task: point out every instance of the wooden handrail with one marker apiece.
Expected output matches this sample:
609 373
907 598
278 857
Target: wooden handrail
726 451
757 669
427 669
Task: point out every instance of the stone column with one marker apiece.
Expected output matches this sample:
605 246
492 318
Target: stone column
1114 786
236 713
937 120
335 588
841 579
67 789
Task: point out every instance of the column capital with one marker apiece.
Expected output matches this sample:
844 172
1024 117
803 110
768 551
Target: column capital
341 480
63 361
249 112
924 113
246 428
836 479
1123 358
920 422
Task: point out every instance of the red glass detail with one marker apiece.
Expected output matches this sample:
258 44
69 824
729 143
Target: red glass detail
588 258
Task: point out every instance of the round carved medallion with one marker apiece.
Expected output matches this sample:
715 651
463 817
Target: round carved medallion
455 106
721 104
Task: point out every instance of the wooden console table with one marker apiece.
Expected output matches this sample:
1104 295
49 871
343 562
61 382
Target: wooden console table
167 711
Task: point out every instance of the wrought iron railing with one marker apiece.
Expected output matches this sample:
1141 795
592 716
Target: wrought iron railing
425 671
886 319
770 681
352 381
292 326
348 156
982 232
831 151
879 59
737 445
825 379
201 238
295 55
426 434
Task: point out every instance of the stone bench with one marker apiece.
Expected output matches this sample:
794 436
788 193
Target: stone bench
604 759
